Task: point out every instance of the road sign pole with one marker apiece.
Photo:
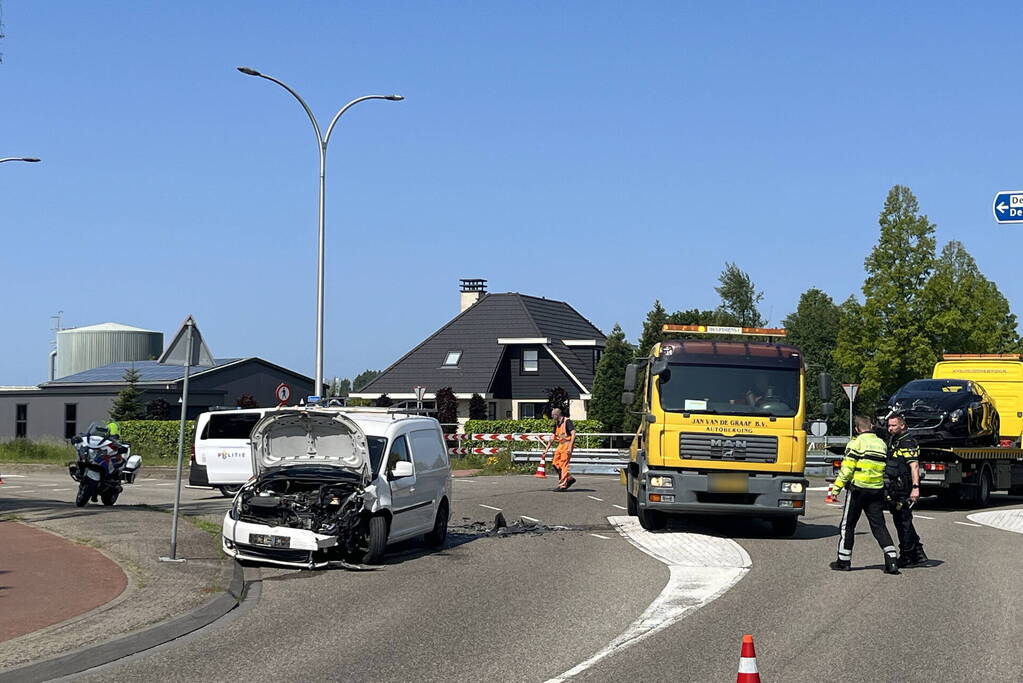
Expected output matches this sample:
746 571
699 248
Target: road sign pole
850 419
181 449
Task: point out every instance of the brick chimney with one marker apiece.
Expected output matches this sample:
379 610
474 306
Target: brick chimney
470 291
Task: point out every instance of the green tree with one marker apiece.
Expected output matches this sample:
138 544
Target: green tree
653 332
739 297
158 409
477 408
447 408
339 388
886 342
695 316
965 311
606 404
557 397
128 404
814 327
364 378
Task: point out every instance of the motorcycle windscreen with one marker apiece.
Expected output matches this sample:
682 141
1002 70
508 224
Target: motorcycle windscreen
303 437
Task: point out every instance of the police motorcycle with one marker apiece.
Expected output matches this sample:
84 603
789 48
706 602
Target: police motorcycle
103 464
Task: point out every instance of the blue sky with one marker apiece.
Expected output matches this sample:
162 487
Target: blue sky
602 153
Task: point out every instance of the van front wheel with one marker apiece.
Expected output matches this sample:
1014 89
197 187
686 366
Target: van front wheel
376 540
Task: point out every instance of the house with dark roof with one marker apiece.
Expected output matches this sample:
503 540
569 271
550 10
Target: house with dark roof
509 348
64 406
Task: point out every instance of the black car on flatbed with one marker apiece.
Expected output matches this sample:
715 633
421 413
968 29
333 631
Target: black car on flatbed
949 412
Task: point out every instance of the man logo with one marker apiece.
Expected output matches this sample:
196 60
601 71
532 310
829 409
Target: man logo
729 444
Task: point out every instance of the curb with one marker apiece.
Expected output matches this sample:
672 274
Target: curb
104 653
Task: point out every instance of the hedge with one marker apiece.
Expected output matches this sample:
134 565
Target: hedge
156 438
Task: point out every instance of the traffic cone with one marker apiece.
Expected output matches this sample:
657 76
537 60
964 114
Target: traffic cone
748 662
831 497
541 473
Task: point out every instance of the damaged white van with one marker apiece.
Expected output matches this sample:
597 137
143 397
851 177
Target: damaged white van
335 486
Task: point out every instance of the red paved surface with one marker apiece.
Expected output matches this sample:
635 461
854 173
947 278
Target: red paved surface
45 579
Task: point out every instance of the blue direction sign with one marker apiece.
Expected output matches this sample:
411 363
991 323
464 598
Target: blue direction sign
1008 206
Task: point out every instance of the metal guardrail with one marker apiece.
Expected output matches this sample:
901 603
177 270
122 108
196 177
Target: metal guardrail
584 460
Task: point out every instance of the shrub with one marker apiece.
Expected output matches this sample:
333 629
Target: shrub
157 438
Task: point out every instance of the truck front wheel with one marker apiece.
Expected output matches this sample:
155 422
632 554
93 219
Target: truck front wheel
784 526
651 520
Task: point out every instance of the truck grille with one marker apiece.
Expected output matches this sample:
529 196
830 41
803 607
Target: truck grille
741 448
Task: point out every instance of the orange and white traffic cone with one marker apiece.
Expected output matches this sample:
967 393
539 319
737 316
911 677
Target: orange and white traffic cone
748 662
831 497
541 473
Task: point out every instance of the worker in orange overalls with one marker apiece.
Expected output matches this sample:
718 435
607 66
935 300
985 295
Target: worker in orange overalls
564 437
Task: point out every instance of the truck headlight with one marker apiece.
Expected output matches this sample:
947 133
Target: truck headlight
956 415
792 487
661 482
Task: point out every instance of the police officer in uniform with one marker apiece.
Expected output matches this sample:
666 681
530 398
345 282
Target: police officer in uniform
902 489
863 474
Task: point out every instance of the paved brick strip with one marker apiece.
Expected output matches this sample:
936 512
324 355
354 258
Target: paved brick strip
45 579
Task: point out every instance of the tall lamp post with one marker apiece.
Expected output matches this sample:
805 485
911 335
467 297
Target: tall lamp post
321 142
31 160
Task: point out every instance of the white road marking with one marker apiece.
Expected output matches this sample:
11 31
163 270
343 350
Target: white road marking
817 488
595 498
606 538
531 519
167 484
922 517
619 507
56 490
700 568
8 487
967 523
1006 520
15 476
489 507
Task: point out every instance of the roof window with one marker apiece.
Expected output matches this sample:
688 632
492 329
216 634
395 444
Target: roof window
451 360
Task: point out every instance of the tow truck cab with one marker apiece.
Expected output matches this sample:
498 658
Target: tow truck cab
722 432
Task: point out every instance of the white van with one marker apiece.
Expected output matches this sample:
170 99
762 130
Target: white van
222 451
334 485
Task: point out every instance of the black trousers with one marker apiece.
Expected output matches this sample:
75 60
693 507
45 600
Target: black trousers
902 515
871 503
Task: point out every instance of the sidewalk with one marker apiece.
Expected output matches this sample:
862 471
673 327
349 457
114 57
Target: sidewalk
83 547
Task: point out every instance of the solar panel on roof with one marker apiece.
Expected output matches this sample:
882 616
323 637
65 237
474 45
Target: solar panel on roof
149 371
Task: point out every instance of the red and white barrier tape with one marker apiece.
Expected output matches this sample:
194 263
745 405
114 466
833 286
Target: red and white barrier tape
497 437
474 451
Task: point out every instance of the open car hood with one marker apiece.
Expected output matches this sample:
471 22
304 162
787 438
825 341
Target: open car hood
316 436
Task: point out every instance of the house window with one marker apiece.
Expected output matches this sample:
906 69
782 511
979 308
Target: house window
492 411
70 420
21 420
451 360
530 360
596 357
528 411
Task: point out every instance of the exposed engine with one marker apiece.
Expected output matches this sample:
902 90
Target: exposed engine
333 508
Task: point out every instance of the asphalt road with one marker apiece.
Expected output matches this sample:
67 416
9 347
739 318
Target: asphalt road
529 607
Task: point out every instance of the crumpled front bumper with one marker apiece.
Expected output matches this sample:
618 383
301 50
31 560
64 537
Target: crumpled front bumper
304 549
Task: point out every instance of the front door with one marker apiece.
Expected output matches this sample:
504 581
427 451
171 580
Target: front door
406 510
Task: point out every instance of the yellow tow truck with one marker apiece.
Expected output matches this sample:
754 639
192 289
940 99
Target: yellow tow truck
723 429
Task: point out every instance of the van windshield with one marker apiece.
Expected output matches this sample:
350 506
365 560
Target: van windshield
376 451
230 426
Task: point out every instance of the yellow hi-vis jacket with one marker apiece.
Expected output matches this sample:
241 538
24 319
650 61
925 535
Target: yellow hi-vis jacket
863 465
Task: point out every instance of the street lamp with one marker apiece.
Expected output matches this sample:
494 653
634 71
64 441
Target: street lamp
31 160
321 142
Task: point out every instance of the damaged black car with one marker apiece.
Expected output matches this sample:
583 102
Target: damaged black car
946 412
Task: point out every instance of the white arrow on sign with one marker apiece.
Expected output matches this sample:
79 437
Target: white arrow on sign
851 391
1001 207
